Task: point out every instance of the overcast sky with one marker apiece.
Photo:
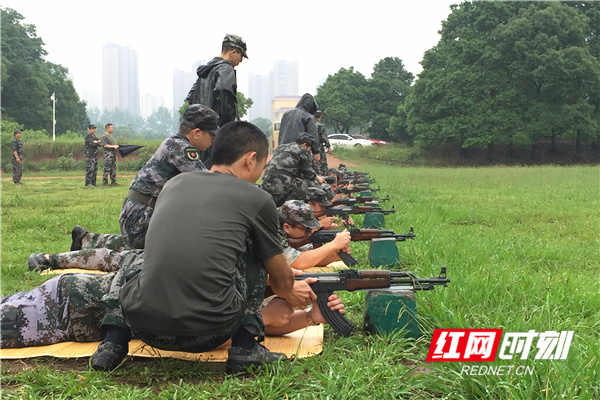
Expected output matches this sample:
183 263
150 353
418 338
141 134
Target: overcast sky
323 36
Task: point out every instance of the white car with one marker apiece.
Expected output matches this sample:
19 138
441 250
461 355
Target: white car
347 141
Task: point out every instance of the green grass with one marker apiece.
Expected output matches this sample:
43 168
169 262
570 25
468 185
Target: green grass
521 246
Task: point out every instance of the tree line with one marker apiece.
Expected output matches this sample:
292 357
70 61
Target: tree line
514 74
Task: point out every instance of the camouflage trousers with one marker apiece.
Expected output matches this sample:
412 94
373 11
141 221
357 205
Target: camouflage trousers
322 164
91 170
17 170
102 259
65 308
134 221
110 167
250 280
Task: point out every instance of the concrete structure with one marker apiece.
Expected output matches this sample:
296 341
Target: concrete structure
120 78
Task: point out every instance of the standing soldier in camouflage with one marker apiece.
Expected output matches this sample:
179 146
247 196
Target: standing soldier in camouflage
216 86
91 156
324 145
178 153
18 155
290 172
110 157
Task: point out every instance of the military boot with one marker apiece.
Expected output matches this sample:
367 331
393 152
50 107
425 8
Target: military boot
77 236
38 262
240 358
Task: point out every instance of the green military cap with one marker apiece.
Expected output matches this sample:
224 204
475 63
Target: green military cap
236 42
298 212
201 117
318 196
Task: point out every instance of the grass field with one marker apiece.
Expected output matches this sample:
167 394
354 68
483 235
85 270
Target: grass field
522 250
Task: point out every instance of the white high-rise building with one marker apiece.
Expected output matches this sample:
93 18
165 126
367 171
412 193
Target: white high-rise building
120 78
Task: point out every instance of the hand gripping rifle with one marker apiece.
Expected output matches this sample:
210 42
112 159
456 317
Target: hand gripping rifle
325 236
352 279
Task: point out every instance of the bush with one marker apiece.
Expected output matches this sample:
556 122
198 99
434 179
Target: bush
67 163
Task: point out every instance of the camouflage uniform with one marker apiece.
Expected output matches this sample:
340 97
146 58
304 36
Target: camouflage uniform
174 156
17 167
101 259
64 308
110 161
91 159
323 145
289 174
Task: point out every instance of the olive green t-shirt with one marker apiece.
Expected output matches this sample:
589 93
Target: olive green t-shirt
197 232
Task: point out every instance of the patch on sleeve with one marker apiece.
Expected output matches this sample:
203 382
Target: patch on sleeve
192 153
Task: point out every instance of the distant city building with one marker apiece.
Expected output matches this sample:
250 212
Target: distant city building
150 104
282 81
120 78
92 98
284 78
182 82
259 90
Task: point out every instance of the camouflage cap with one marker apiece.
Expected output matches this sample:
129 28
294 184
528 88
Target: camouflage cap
318 196
92 126
236 42
297 212
326 187
201 117
306 137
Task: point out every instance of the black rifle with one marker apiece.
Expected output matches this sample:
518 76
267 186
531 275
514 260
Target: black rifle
356 235
344 211
348 201
352 279
355 181
354 189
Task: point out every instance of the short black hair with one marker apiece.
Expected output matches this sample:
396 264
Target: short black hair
107 125
234 139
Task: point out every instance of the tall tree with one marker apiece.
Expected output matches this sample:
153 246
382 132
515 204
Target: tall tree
28 81
503 72
243 104
387 89
161 122
343 99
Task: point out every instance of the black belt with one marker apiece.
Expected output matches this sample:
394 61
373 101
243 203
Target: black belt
142 198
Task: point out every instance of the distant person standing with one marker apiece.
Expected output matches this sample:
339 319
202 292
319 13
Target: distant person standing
324 145
91 156
216 86
18 155
110 157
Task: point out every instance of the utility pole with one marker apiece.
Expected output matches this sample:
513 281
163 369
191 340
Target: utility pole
53 98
